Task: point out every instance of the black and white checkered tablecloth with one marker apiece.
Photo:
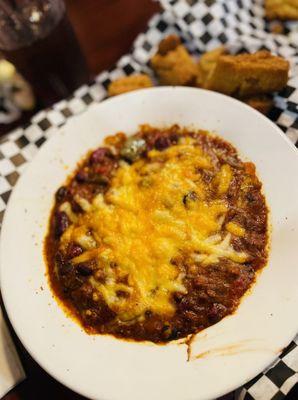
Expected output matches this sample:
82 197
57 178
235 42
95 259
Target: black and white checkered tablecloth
202 25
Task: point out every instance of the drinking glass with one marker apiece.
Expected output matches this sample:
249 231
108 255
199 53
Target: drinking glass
37 37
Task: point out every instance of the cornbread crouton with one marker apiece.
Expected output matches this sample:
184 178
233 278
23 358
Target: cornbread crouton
169 43
173 64
207 63
249 74
277 27
281 9
262 103
129 83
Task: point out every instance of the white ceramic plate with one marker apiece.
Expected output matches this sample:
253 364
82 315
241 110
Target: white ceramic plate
102 367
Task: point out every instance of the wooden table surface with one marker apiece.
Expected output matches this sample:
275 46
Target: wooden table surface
106 30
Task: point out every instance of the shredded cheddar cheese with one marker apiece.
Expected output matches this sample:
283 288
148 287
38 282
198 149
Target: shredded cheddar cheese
235 229
223 179
155 210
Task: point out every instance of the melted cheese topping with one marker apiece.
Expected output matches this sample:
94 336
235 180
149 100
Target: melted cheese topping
155 210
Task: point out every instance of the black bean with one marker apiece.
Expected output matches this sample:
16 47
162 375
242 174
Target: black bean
65 268
92 177
70 281
61 194
178 297
174 334
59 259
189 197
98 179
84 269
252 196
113 264
82 176
76 208
174 138
122 293
162 143
62 223
166 331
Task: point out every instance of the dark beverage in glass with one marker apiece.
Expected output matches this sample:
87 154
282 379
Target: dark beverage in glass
37 37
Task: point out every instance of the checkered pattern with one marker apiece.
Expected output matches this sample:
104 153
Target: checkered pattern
202 25
276 381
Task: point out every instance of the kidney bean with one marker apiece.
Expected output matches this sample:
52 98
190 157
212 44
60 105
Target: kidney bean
74 250
105 168
217 311
62 223
99 155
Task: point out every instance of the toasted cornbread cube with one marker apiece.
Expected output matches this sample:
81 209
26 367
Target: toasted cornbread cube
277 27
262 103
282 9
207 63
249 74
173 64
169 43
129 83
